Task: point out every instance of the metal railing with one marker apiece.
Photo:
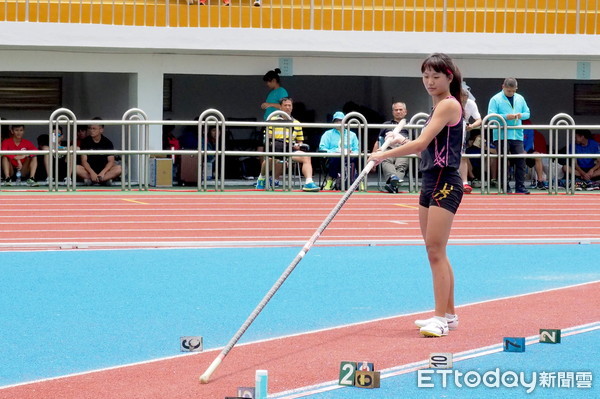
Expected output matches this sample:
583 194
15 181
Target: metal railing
498 16
136 148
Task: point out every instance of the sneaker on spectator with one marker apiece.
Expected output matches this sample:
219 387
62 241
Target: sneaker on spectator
201 2
107 183
256 3
467 189
475 183
542 185
87 182
452 323
434 328
260 184
494 183
521 190
328 184
226 2
311 187
395 183
31 182
579 185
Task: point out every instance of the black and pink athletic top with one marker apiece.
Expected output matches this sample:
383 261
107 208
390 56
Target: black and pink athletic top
444 150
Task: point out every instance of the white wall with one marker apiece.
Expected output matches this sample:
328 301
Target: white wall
109 69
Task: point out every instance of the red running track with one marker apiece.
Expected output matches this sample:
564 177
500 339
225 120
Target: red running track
379 341
211 218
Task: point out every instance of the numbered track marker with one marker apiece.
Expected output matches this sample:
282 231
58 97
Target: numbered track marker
440 361
514 344
347 372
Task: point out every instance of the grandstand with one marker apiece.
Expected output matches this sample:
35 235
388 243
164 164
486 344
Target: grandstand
174 60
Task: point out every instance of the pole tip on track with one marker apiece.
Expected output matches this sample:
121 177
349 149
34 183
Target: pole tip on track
204 379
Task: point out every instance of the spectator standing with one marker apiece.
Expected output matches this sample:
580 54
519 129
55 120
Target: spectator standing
276 93
19 166
393 169
97 169
513 108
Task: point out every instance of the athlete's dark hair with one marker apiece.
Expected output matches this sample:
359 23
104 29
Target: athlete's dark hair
442 63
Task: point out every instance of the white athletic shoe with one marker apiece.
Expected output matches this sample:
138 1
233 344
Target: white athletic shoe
435 328
452 323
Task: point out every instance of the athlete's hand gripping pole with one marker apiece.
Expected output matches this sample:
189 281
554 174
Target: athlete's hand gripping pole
204 378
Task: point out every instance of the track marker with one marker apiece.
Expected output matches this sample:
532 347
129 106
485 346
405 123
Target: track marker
191 344
262 384
440 360
549 336
246 392
137 202
407 206
514 344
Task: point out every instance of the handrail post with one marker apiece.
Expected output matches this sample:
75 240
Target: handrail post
350 119
143 143
207 119
67 117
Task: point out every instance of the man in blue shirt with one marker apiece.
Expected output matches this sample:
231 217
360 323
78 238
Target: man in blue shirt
513 108
586 169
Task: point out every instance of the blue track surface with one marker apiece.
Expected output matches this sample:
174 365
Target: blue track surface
71 311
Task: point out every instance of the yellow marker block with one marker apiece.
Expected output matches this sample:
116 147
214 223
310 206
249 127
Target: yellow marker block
367 379
407 206
134 201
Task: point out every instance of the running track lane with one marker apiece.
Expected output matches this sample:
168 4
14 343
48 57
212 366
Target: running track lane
312 358
201 219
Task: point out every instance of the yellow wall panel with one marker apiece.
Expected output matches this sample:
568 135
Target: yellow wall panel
511 16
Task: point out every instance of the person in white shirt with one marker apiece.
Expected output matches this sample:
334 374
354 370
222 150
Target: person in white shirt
471 114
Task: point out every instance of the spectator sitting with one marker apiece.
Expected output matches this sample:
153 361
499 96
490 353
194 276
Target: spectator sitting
331 142
534 143
393 169
279 139
97 169
586 169
471 113
44 144
82 133
170 142
188 140
19 165
211 145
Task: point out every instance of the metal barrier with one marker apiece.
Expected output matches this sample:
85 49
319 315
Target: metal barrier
143 141
135 141
211 118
